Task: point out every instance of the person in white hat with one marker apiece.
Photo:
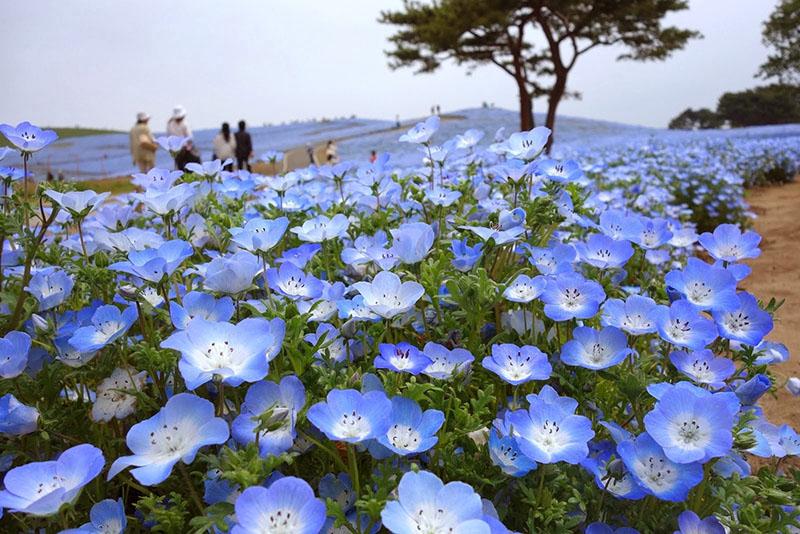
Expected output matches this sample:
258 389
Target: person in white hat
177 124
143 145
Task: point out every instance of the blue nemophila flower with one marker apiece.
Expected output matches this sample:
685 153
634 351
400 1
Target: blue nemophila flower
271 409
690 523
77 203
549 431
236 353
511 218
287 505
446 363
108 325
633 315
751 390
387 296
500 237
706 286
154 264
602 528
412 242
322 228
442 196
170 200
505 453
655 472
14 348
233 274
40 488
260 235
106 517
593 349
411 430
571 296
425 504
557 259
116 395
422 132
465 257
703 367
50 286
16 419
197 305
330 344
293 283
348 415
517 365
560 171
524 288
525 145
746 323
728 243
648 233
184 425
603 252
301 255
172 143
609 471
27 137
693 425
682 325
157 179
401 358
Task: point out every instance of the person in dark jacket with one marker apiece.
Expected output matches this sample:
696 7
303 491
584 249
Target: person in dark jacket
244 147
187 154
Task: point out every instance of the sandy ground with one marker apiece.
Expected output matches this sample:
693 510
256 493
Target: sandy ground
776 273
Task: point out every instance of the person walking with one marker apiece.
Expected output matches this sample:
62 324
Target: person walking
143 145
310 153
225 146
244 147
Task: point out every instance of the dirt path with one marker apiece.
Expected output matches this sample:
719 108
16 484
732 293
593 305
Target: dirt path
776 273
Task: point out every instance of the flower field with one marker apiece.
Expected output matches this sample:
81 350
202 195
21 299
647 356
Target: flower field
465 336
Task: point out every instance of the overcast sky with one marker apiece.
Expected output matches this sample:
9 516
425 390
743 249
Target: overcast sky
96 63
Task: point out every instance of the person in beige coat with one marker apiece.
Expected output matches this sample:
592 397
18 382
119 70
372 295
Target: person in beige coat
143 145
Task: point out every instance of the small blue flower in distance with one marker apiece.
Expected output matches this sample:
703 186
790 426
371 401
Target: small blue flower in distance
422 132
16 419
549 431
426 504
387 296
184 425
27 137
682 325
301 255
14 348
108 325
287 505
603 252
517 365
322 228
692 424
233 274
657 474
411 430
411 242
706 286
525 145
690 523
348 415
505 453
571 296
236 353
401 358
728 243
635 315
753 389
602 528
293 283
260 235
50 286
446 363
274 408
41 488
154 264
198 305
557 259
746 323
593 349
106 517
465 257
703 367
524 288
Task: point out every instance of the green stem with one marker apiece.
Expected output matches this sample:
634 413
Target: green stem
352 459
192 491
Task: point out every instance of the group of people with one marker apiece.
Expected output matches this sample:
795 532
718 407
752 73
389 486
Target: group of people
237 147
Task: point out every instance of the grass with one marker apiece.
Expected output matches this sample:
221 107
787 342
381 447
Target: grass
64 133
116 185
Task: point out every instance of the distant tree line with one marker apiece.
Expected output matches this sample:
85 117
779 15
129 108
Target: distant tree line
778 103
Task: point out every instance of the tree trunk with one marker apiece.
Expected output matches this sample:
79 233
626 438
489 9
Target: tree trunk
525 108
559 87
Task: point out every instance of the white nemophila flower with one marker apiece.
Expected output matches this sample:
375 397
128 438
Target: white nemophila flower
114 394
387 296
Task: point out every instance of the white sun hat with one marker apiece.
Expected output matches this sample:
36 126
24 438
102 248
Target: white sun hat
178 112
142 116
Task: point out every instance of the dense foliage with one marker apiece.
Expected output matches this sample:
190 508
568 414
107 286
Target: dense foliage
782 35
491 341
